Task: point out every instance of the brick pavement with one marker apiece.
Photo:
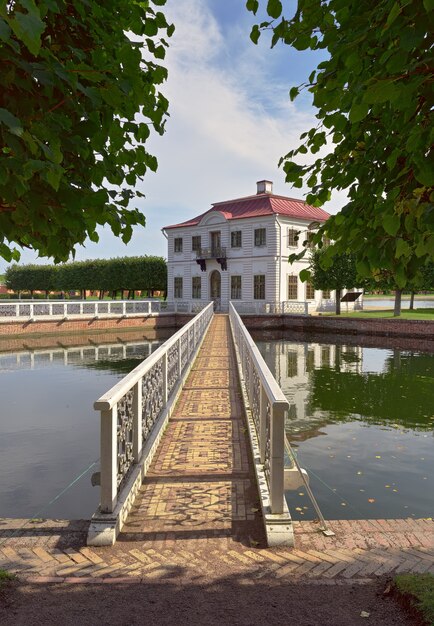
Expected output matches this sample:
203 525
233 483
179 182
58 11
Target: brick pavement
197 515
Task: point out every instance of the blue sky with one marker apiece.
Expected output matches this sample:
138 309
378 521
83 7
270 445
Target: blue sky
230 122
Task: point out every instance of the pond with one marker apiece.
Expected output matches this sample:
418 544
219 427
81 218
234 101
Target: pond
361 421
389 303
49 431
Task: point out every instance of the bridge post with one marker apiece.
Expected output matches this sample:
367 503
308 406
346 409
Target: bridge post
109 459
277 458
262 423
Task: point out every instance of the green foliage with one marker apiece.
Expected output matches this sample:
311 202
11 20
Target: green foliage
374 97
332 272
133 273
77 100
420 588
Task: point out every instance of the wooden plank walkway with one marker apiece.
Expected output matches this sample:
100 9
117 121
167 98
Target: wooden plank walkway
197 515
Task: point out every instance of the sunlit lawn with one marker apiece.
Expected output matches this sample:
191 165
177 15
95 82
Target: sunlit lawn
406 314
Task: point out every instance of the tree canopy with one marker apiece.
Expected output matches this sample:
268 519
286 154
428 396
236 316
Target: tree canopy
374 95
341 274
79 96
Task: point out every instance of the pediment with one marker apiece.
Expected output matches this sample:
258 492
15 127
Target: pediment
215 217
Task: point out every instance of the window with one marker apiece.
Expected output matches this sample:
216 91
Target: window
178 244
292 288
259 287
196 284
310 292
292 238
310 360
326 294
292 364
236 239
325 356
195 243
260 238
235 287
178 287
308 241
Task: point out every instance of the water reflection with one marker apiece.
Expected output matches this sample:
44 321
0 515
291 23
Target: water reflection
362 420
49 432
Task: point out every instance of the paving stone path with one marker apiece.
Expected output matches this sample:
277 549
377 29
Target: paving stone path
197 515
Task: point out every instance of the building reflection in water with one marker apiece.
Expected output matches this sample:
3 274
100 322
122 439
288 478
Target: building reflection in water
292 365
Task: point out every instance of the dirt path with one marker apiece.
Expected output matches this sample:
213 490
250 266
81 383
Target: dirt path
224 602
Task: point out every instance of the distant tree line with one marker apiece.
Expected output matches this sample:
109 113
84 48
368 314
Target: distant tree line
146 273
340 272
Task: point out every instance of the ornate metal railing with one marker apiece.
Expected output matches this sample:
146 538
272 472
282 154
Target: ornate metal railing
133 409
64 309
211 253
288 307
268 407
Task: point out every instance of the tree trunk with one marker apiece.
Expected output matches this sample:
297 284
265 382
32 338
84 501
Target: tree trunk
134 294
412 300
338 301
397 309
47 293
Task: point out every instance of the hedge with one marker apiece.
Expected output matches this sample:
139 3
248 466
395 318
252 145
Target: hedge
146 273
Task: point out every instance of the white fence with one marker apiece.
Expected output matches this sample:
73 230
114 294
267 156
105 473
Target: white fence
289 307
268 407
136 406
67 309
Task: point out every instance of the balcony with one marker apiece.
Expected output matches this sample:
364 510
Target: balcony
218 253
211 253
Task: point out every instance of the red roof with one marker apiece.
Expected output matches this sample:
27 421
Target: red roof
260 205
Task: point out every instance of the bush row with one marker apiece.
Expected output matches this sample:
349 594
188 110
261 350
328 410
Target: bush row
147 273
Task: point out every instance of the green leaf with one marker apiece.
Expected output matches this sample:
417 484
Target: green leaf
304 275
293 93
255 34
396 9
12 122
429 5
274 8
28 27
381 91
424 173
358 112
252 6
391 224
402 248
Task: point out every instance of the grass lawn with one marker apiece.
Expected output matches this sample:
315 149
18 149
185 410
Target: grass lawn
419 589
416 314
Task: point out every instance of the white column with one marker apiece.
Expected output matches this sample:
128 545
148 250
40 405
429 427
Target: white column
277 451
109 459
262 435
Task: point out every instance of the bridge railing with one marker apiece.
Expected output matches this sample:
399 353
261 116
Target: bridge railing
72 309
136 406
268 407
288 307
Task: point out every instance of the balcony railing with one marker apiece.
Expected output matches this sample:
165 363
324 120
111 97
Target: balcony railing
211 253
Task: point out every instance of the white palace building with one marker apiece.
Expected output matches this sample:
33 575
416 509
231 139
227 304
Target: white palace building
238 250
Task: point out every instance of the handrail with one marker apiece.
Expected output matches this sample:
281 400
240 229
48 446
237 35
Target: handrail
258 307
72 309
268 406
131 409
